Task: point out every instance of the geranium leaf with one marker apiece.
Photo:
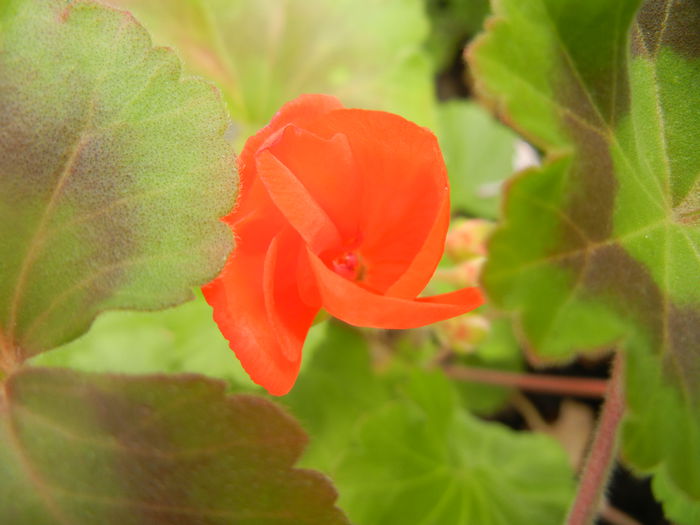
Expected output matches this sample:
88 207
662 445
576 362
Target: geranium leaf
678 506
179 339
264 53
601 246
89 448
322 399
479 154
422 459
113 173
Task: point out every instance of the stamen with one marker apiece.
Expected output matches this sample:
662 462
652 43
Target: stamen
347 265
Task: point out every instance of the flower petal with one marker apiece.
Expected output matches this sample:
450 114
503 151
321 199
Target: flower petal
326 170
296 204
356 305
297 111
252 196
413 280
251 287
289 315
401 164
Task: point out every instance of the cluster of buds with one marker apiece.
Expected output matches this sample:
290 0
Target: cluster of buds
465 251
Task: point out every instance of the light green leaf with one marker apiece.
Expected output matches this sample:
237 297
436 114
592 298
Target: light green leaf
82 449
181 339
479 153
263 53
422 460
336 389
600 248
113 173
678 507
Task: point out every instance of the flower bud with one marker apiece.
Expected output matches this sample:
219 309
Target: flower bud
466 239
464 333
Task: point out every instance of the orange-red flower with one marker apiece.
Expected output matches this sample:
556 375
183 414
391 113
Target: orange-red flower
341 209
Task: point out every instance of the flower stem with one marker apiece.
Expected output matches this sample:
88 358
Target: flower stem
560 385
602 454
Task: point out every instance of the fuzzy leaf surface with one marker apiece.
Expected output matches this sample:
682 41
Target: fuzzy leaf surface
600 248
114 171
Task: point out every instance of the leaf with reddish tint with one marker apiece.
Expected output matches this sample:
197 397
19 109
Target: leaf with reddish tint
79 448
113 173
600 248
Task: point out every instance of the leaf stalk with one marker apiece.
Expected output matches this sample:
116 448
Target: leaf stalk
550 384
601 457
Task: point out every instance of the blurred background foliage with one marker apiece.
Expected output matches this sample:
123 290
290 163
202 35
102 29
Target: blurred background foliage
401 441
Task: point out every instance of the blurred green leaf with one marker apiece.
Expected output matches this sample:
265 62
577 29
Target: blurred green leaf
83 449
114 173
263 53
479 153
335 390
181 339
678 507
423 460
500 351
452 23
598 245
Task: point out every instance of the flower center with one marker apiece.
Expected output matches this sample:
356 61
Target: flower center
347 265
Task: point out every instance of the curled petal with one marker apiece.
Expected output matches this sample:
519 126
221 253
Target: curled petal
324 168
289 314
404 194
359 306
252 196
298 111
413 279
258 309
296 204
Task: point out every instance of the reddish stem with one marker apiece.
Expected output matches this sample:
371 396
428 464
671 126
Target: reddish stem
561 385
602 454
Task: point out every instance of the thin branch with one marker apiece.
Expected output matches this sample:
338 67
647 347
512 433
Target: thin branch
603 451
550 384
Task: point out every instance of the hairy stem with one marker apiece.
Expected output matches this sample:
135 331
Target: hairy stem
602 454
566 386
